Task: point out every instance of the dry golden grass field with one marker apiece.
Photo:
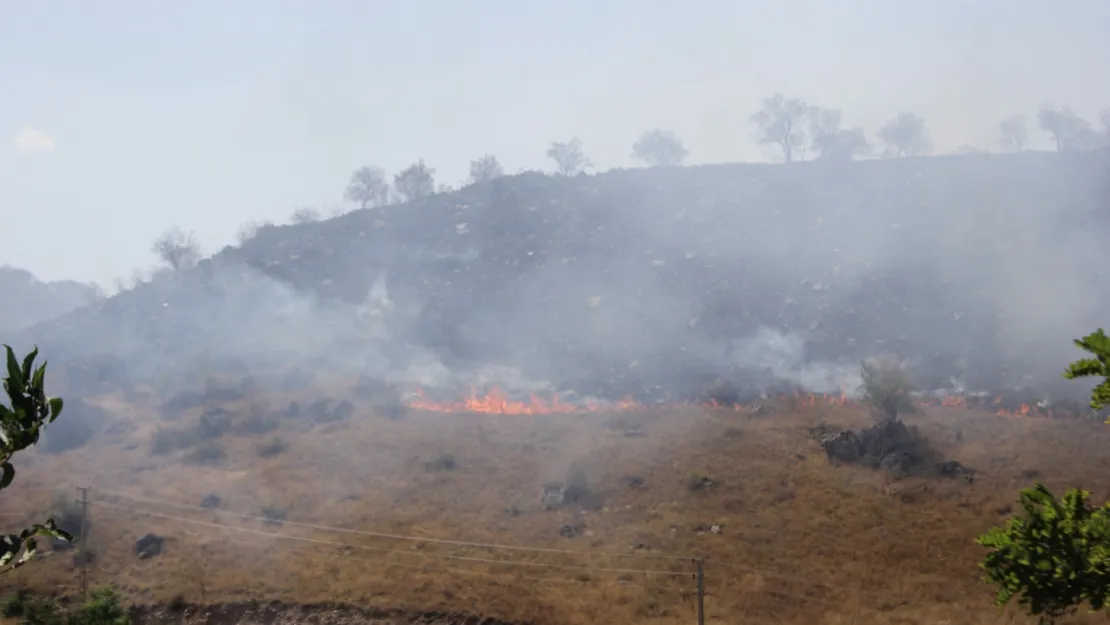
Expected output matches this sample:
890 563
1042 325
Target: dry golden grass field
785 536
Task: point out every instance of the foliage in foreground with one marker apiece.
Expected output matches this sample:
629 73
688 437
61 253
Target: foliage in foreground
1098 345
21 423
104 607
1056 556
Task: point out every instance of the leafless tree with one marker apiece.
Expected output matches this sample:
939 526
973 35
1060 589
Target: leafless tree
1013 134
906 135
415 181
830 141
368 187
781 122
659 148
569 158
1070 131
485 168
176 248
305 215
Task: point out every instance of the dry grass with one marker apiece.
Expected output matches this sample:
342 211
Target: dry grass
800 541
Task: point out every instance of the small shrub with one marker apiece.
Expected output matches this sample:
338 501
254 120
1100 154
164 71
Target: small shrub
273 514
578 490
168 440
208 454
272 447
104 607
67 515
886 388
214 423
258 425
13 605
42 611
442 462
697 482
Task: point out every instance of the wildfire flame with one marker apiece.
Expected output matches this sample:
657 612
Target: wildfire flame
497 401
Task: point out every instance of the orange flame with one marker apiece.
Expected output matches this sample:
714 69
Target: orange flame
496 401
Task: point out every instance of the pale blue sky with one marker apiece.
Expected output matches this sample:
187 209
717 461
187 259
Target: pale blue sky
121 118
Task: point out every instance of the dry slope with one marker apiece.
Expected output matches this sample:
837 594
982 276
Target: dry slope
787 538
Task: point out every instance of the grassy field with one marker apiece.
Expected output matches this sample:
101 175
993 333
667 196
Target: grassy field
786 538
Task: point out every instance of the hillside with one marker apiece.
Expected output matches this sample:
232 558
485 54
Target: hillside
978 269
426 506
28 300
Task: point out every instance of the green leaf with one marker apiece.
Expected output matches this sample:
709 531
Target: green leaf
28 362
8 475
15 376
56 405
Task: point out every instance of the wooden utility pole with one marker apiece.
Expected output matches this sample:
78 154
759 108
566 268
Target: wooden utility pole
83 553
701 592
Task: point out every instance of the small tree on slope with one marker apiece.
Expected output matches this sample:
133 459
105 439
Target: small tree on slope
20 425
1057 556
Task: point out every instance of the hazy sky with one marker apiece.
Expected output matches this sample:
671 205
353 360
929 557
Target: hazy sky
119 119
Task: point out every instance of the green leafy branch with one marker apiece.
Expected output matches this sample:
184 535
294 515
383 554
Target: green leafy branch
20 426
1098 345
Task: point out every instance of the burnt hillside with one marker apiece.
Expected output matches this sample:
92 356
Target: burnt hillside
979 267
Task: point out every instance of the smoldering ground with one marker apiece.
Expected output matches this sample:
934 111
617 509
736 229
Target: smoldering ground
975 270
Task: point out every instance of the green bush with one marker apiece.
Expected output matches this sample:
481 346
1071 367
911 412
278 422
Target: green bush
1053 558
1056 556
104 607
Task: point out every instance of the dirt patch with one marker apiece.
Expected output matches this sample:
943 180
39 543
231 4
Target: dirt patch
278 613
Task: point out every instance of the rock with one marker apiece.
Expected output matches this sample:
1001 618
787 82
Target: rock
214 423
842 447
897 463
149 545
571 531
634 433
633 481
211 500
699 482
343 410
293 410
955 470
553 495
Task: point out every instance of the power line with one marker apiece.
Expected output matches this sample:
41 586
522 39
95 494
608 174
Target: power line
367 548
311 552
457 543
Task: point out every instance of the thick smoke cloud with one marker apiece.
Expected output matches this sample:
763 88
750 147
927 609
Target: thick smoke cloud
977 270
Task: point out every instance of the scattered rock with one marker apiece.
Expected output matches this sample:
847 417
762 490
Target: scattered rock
211 500
513 511
699 482
955 470
214 423
703 528
343 410
553 495
896 463
318 409
571 530
149 545
293 410
633 481
889 445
